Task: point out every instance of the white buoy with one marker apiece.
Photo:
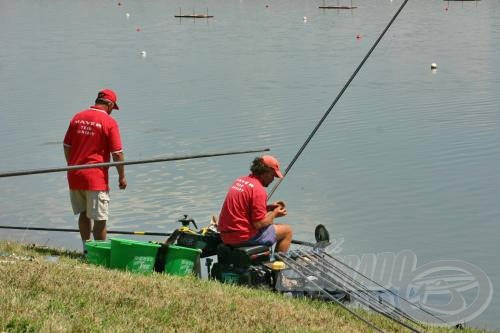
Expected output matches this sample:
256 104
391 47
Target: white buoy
305 18
434 65
143 54
127 15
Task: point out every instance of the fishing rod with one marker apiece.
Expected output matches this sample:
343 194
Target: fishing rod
308 272
381 286
118 232
294 266
294 241
321 235
357 287
350 289
140 233
110 164
336 99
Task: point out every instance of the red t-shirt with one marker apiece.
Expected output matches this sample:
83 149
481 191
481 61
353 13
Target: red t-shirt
92 136
246 201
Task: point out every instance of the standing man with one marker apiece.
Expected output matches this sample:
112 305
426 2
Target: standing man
245 217
92 136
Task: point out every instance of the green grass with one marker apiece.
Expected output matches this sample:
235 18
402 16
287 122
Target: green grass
68 295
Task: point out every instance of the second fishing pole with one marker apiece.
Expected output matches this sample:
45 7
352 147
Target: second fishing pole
344 88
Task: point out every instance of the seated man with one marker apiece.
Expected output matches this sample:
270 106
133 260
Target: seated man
245 217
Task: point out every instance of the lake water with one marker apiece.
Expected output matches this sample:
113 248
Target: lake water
407 160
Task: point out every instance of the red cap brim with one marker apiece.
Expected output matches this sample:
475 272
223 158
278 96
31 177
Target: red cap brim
278 173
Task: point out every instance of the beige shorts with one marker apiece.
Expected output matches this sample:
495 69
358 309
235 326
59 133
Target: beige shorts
95 203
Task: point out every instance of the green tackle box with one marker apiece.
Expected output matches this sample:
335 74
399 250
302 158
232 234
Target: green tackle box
132 255
181 260
99 252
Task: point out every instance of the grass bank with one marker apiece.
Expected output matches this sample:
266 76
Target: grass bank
51 290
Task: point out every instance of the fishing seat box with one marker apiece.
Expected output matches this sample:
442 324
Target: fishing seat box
243 256
206 243
242 265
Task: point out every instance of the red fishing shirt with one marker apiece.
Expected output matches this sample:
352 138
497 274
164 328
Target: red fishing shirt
92 136
246 201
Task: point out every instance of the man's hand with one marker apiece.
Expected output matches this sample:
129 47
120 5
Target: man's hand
274 210
279 211
280 203
122 183
278 208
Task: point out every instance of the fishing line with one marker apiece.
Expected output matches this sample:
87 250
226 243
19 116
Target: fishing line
336 99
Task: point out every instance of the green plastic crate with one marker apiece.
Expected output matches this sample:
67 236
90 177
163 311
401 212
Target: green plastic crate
132 255
99 252
181 260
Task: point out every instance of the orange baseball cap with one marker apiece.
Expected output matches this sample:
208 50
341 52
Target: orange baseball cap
110 96
272 162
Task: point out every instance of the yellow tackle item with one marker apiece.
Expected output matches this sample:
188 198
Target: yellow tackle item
186 230
278 265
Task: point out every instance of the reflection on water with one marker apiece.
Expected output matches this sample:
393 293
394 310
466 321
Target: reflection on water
407 160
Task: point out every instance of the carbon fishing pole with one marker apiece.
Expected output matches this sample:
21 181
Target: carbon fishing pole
139 233
110 164
381 286
378 304
337 98
361 294
300 268
297 269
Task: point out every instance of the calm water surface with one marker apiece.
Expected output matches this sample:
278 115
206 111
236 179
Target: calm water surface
408 160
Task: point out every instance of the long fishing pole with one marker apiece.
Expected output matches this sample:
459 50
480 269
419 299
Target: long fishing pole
327 279
140 233
297 268
110 164
362 295
298 242
354 285
118 232
337 98
375 306
381 286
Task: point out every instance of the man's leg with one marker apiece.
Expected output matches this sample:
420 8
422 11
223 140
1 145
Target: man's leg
98 208
85 226
99 230
284 236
